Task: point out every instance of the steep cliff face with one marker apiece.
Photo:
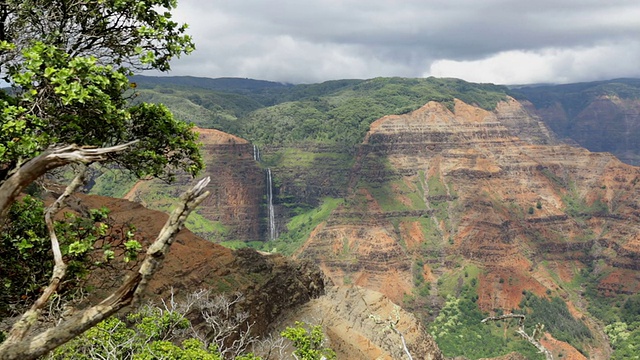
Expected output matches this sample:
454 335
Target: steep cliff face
236 208
436 191
357 324
601 116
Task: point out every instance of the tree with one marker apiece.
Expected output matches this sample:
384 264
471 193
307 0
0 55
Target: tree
165 331
533 339
67 63
309 343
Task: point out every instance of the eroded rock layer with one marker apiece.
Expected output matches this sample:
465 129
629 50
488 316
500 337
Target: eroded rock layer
435 189
236 208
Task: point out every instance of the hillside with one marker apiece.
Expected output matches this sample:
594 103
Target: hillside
274 288
601 116
453 204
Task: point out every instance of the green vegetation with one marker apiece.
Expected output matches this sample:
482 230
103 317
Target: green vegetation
436 187
66 63
458 330
577 207
300 227
207 109
154 332
27 264
330 113
343 114
113 182
309 343
557 319
206 228
620 313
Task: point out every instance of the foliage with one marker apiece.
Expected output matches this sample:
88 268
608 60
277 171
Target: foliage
111 182
165 332
577 207
555 315
23 253
207 109
620 313
300 227
126 33
144 335
342 114
309 343
67 63
458 331
87 241
625 340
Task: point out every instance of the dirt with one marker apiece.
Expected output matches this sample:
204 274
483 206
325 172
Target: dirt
270 284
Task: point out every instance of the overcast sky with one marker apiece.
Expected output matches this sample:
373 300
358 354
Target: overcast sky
498 41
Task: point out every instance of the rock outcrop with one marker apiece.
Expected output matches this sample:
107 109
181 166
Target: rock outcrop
357 320
271 284
469 186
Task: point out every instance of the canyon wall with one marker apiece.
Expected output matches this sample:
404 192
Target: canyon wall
436 190
236 209
601 116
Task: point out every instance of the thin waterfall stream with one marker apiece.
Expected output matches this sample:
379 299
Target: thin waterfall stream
256 153
272 217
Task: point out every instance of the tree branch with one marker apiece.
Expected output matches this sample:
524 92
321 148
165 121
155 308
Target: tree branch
391 325
26 321
48 160
522 332
130 291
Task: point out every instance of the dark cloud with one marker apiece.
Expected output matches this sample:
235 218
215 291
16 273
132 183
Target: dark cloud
508 40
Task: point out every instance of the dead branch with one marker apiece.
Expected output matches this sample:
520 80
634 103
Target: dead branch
391 325
531 339
50 159
224 325
26 321
130 291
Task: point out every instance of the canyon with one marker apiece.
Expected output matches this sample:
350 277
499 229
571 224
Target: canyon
450 200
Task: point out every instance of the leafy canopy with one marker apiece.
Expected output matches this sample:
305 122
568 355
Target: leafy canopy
67 62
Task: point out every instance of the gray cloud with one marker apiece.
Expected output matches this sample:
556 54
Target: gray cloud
507 40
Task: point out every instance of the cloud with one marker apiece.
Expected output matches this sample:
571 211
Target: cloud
313 40
547 65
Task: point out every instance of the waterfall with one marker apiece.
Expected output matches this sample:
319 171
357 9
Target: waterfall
256 153
272 217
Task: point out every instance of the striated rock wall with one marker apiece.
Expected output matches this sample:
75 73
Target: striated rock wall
598 120
236 205
491 189
237 186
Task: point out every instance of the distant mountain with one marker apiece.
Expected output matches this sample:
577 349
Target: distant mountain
600 115
222 84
